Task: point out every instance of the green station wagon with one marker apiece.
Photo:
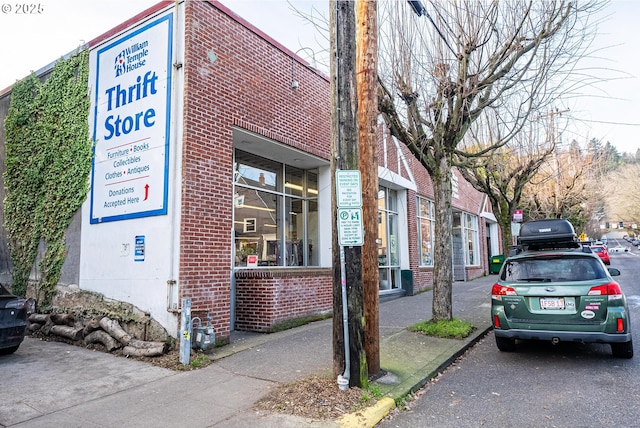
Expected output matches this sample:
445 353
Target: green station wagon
552 288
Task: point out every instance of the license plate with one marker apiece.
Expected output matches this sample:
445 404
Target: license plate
552 302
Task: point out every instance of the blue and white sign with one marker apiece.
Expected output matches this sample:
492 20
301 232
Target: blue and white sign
139 249
131 103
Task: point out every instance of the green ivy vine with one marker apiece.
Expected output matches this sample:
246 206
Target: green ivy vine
48 161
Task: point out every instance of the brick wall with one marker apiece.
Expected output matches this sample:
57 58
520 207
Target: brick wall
234 76
266 298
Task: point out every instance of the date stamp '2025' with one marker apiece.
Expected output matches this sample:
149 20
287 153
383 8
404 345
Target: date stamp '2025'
22 8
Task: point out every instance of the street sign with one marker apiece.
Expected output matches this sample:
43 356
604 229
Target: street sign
350 229
348 189
517 216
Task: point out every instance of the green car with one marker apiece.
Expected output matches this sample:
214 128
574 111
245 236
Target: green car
552 288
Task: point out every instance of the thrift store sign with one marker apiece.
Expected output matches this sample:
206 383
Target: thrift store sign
131 105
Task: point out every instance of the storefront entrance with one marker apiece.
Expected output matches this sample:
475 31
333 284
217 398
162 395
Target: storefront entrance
388 244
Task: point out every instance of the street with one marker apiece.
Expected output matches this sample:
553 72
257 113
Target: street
539 385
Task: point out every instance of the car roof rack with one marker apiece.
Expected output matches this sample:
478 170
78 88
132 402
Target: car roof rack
547 234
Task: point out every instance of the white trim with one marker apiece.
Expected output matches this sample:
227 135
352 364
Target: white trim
489 216
394 181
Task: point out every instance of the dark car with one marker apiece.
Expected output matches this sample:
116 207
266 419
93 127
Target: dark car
13 321
555 289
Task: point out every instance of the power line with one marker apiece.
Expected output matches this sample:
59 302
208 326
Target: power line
610 123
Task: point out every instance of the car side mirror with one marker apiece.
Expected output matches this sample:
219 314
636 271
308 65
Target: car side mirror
613 271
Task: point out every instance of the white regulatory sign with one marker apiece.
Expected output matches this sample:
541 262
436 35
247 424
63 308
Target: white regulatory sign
348 189
350 229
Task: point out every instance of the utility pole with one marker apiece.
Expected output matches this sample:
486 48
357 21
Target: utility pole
367 84
551 115
345 156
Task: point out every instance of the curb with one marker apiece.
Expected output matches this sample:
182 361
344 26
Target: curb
369 417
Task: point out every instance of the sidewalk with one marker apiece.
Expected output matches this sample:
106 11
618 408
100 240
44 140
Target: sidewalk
92 389
410 359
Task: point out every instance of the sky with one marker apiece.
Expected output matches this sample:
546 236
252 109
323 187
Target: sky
54 28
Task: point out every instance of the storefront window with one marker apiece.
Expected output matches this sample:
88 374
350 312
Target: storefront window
471 236
275 213
425 231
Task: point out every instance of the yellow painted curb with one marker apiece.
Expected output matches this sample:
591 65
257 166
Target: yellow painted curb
368 417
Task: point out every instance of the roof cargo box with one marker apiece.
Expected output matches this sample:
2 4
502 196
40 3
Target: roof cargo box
551 231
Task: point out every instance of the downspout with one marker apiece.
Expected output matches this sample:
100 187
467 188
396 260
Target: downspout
172 292
343 380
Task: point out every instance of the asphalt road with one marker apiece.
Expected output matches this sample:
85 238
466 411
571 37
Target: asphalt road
539 385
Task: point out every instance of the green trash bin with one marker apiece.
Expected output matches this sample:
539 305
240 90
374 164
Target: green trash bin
495 263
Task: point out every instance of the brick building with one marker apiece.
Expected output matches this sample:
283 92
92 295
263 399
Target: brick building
211 179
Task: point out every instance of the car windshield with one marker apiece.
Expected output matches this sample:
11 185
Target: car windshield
547 269
596 249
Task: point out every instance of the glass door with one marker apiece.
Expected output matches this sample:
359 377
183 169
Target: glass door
388 245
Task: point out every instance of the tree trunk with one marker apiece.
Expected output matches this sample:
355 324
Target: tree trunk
443 252
102 337
113 328
91 326
504 221
66 331
143 352
366 80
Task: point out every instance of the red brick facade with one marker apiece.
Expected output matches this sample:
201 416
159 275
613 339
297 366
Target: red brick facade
235 76
266 298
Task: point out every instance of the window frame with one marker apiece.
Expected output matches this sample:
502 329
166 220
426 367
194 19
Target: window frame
290 245
425 260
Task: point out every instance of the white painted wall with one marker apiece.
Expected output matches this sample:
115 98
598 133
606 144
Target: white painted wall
108 258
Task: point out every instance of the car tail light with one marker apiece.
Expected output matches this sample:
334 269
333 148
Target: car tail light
611 289
497 291
620 325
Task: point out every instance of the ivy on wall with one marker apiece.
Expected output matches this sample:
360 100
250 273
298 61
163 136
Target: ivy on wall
48 160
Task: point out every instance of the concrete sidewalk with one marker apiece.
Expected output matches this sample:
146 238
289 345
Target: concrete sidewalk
114 392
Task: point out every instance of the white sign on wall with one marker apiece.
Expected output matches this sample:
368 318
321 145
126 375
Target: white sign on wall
131 104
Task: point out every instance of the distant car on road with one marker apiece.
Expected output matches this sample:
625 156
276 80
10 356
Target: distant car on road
618 249
553 288
13 321
602 252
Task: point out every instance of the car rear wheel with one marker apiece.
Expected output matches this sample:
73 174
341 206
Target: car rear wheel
506 345
622 350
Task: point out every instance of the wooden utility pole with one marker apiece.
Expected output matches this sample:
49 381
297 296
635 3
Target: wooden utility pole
552 114
345 156
366 84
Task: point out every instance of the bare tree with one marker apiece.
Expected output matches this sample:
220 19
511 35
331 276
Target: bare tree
560 187
439 74
622 190
502 173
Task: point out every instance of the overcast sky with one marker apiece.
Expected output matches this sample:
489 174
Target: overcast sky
33 40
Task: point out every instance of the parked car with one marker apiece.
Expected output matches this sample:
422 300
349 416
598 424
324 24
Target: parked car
601 251
13 321
618 249
555 289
